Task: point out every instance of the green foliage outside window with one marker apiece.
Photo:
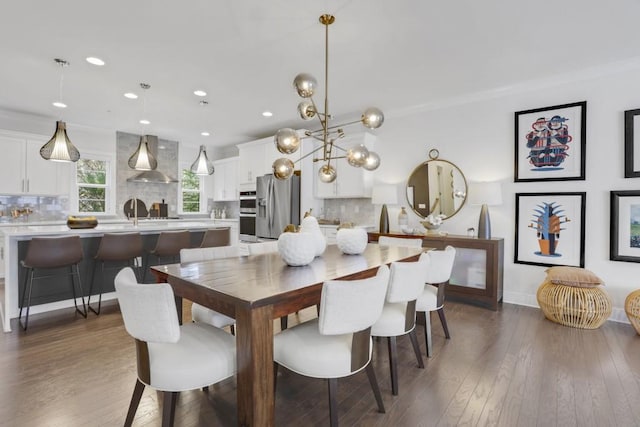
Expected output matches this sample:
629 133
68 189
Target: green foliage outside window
91 179
190 191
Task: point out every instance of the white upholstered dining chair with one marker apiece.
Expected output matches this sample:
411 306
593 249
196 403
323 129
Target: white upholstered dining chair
200 313
171 357
432 298
338 343
406 283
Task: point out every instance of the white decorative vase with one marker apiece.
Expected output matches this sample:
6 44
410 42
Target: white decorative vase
310 225
352 241
297 249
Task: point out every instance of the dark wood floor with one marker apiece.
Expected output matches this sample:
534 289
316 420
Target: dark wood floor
507 368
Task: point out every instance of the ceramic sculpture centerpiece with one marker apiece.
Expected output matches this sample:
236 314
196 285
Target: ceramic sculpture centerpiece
351 240
296 248
310 225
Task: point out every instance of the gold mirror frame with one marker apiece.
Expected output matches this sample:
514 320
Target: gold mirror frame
446 196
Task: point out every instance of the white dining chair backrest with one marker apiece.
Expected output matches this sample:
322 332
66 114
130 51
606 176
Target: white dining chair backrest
149 310
209 253
406 279
348 306
399 241
440 265
263 247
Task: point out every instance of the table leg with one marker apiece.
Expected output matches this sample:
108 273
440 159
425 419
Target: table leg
254 355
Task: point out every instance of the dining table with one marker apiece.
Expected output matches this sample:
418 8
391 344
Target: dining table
255 290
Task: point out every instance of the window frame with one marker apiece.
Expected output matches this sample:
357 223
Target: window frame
202 200
109 185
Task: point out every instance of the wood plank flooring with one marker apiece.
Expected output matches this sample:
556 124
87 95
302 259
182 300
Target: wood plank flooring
506 368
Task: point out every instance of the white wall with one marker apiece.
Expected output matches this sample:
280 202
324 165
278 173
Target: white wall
477 134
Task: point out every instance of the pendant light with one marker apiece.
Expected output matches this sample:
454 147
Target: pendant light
202 165
142 159
59 148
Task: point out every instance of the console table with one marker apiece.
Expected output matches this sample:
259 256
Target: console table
477 270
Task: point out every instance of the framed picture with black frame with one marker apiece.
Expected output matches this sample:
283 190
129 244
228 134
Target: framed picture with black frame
631 144
550 143
625 226
550 228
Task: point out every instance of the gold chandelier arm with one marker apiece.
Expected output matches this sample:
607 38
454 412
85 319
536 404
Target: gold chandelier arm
322 117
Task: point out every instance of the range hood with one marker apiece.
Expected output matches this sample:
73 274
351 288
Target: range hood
154 176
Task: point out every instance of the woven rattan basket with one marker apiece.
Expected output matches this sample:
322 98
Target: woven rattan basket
586 308
632 308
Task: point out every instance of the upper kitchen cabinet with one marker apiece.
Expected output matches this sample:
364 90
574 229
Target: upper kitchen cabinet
225 179
23 170
251 163
256 159
351 182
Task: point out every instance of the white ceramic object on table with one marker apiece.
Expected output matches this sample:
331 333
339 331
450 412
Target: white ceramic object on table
310 224
297 249
352 241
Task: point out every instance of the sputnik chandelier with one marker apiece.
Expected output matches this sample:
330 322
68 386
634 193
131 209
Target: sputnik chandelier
288 141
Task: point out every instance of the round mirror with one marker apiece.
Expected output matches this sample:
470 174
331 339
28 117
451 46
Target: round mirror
436 187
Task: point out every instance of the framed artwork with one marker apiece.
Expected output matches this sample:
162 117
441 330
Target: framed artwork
550 143
550 229
631 144
625 226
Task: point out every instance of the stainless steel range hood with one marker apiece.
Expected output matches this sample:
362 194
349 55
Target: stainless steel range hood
153 176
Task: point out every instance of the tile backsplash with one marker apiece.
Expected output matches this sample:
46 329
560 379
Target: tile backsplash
358 211
27 208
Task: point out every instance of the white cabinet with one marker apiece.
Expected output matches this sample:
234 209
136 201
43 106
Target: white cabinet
351 182
329 232
256 159
225 180
251 163
235 229
23 170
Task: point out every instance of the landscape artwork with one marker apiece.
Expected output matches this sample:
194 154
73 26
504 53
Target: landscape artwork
625 226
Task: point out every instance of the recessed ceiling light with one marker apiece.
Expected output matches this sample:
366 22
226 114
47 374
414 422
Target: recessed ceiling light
199 92
205 133
131 95
59 104
95 61
145 122
267 113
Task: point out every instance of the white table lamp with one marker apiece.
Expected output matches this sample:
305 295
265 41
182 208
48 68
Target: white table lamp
384 194
485 194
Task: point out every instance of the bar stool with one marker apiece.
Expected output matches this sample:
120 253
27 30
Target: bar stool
51 253
114 248
215 237
168 246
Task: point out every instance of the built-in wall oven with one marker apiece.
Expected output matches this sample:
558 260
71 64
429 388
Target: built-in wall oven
247 216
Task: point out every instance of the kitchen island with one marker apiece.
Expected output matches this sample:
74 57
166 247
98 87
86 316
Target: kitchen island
16 239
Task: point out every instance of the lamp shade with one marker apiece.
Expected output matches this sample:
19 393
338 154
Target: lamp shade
202 165
142 159
485 193
59 148
384 194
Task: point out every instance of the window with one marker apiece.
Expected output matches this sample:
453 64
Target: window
92 178
191 185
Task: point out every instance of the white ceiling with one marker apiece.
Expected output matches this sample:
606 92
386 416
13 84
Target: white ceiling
395 55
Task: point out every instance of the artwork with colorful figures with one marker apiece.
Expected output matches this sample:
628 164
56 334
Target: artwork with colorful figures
548 142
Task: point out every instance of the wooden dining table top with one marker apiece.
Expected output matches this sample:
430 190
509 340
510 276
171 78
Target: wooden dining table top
263 279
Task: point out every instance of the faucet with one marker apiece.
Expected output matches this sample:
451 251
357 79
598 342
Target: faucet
134 206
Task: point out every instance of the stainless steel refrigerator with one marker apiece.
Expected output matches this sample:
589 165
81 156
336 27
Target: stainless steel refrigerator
278 204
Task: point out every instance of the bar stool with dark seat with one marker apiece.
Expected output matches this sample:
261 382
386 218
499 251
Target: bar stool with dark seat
118 249
167 248
215 237
46 253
